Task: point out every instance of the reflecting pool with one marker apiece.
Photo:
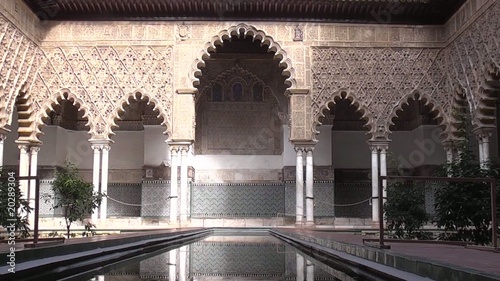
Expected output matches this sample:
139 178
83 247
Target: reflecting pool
232 256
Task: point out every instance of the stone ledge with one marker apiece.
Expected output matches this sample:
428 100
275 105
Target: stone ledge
413 265
80 254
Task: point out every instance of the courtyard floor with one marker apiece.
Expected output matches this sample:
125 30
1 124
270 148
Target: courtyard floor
451 256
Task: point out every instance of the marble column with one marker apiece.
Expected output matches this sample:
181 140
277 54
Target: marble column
33 172
383 170
182 263
299 187
104 181
2 140
184 185
95 174
172 265
300 267
309 271
483 136
173 185
481 152
486 150
24 167
309 187
374 150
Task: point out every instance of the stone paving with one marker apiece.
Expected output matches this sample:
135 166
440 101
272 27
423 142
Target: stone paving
457 257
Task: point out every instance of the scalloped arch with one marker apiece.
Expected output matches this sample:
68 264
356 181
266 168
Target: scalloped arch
345 94
417 95
47 106
487 93
136 95
247 30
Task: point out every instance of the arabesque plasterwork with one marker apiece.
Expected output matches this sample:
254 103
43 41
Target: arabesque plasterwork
99 66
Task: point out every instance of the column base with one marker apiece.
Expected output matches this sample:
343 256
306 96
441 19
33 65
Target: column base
310 224
375 224
299 224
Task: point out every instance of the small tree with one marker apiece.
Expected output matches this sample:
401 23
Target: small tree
74 195
13 208
464 208
405 208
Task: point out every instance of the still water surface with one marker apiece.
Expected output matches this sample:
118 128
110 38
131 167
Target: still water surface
248 257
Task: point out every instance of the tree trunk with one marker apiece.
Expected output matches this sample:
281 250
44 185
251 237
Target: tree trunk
67 227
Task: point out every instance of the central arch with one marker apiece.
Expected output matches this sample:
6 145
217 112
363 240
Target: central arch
244 30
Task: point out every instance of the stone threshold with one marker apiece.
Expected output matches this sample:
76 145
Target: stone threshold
82 254
393 265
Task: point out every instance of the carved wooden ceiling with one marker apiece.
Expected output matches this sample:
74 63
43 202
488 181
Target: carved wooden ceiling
345 11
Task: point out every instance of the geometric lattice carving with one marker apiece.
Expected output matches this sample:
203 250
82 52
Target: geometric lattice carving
96 79
376 79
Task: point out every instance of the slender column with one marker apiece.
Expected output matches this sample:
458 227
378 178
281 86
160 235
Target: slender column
300 267
2 140
184 181
448 148
483 135
172 264
173 185
299 186
24 166
383 170
481 153
375 217
104 180
95 174
309 187
449 155
182 263
33 172
309 270
486 150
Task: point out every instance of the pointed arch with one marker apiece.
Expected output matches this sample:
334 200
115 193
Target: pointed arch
441 115
246 30
360 106
137 95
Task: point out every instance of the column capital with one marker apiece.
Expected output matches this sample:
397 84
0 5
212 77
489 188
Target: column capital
23 147
96 147
100 144
483 132
179 145
35 149
378 145
304 145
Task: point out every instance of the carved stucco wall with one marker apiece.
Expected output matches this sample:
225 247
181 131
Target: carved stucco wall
98 79
473 62
99 64
376 79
